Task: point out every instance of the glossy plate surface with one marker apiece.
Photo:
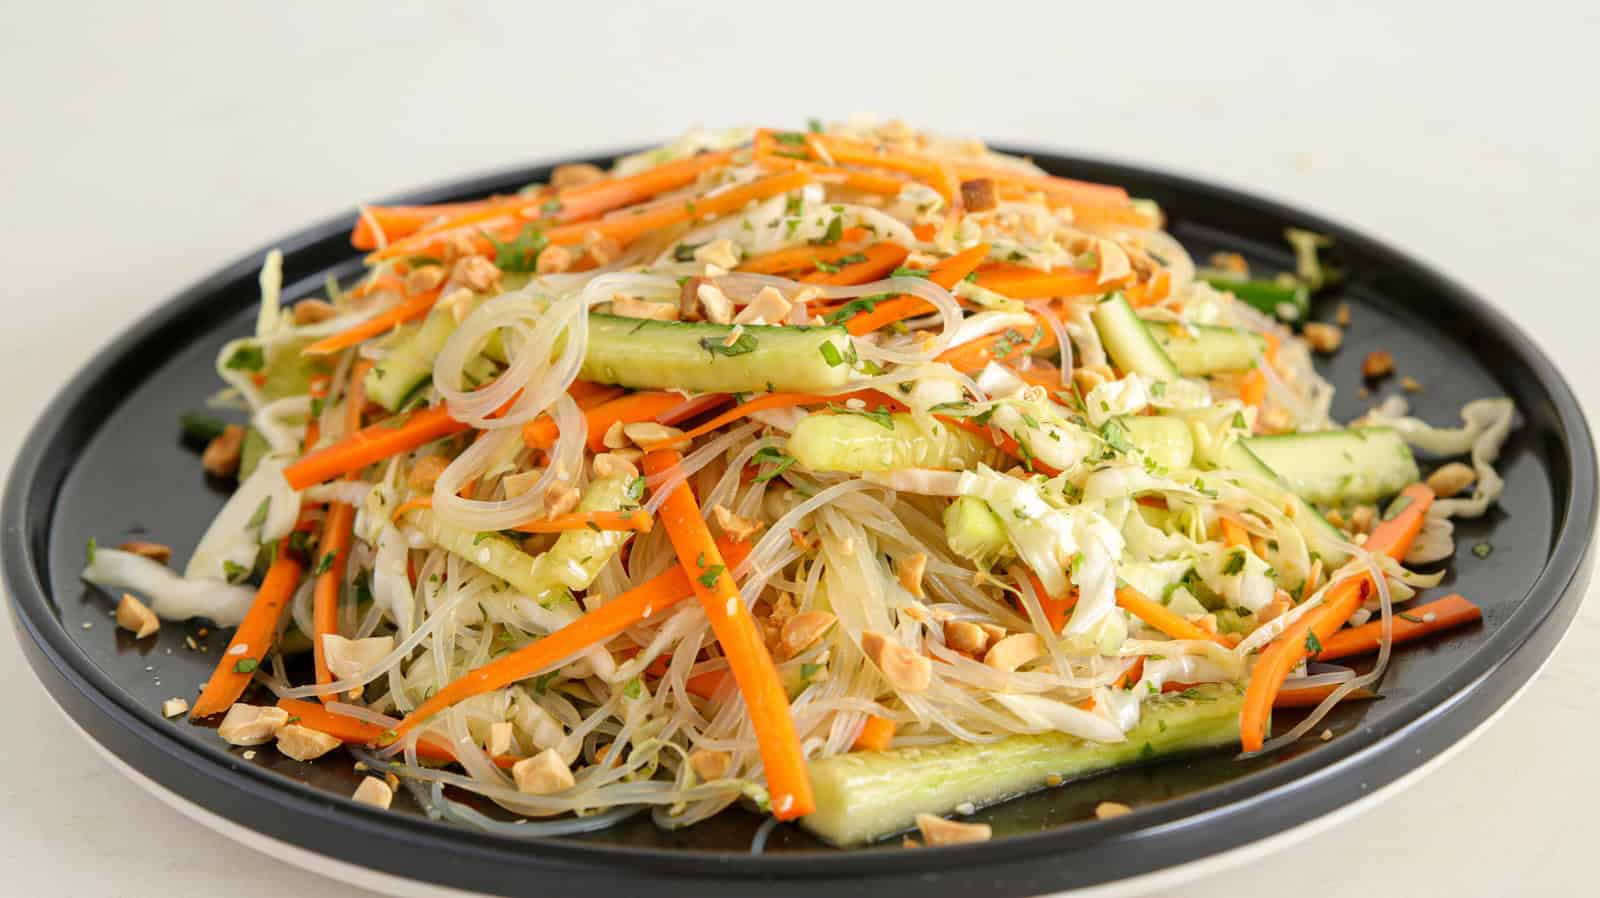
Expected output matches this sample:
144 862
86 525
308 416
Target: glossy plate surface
106 462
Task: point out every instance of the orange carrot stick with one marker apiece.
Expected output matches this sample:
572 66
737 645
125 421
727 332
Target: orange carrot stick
1029 283
805 258
875 735
1451 611
1007 346
1391 537
1160 616
881 259
1253 387
1233 533
254 635
946 273
1056 608
788 783
763 403
408 309
881 183
402 221
333 554
630 408
704 685
372 443
635 520
656 594
351 731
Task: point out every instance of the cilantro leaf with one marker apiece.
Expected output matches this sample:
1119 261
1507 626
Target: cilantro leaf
745 343
521 254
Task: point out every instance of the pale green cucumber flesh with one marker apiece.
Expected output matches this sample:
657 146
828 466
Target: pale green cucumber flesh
1131 347
701 358
1198 350
1340 467
1166 441
856 443
975 532
1321 537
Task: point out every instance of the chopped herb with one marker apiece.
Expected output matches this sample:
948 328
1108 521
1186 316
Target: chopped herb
481 536
520 254
879 415
260 516
830 354
246 665
248 357
1234 564
774 462
234 572
1313 644
1158 389
793 204
317 404
93 545
1148 751
1483 550
904 272
1116 436
324 564
1410 617
635 490
826 267
709 578
814 125
1240 422
633 688
856 306
746 343
300 541
809 671
793 138
541 683
684 252
550 206
834 232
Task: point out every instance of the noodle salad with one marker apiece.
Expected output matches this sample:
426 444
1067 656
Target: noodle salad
853 475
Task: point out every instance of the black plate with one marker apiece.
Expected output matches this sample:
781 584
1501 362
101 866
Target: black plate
105 462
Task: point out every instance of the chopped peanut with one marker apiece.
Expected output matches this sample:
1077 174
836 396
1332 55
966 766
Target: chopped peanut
939 831
979 195
560 499
554 260
1410 384
1014 651
575 174
517 484
904 669
629 307
1378 364
614 464
304 743
647 433
1361 518
769 307
251 724
427 277
1341 315
1323 338
1114 263
542 774
803 629
735 526
602 249
350 659
476 273
375 792
909 572
720 253
221 458
965 637
1231 262
1449 480
425 473
135 617
710 764
174 707
313 311
499 741
995 632
689 299
614 438
718 307
458 302
1105 810
146 549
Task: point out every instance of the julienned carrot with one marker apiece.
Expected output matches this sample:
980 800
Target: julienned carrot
1151 291
626 227
881 183
805 258
1160 616
1009 345
402 221
946 273
1392 537
1056 608
573 204
631 408
765 403
788 783
351 731
1451 611
408 309
1253 387
1030 283
372 443
1233 533
253 637
635 520
704 685
846 151
876 734
333 553
881 259
593 628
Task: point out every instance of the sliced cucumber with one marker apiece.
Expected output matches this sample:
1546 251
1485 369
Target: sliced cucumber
1321 537
700 358
1291 302
1166 441
1340 467
409 364
1128 342
865 796
975 532
1199 350
886 442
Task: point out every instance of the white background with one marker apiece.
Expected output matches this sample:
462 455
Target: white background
146 145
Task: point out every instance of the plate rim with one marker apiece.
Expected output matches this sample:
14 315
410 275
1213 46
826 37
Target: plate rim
1559 585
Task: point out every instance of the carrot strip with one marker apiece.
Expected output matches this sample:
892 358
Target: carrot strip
788 783
1030 283
1006 346
254 635
1391 537
946 273
372 443
1451 611
1312 696
881 183
630 408
1056 608
1233 533
875 735
351 731
1160 616
763 403
590 520
881 259
704 685
402 221
656 594
625 228
805 258
1253 387
1150 292
408 309
333 553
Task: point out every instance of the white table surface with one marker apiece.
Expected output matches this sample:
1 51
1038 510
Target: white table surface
145 146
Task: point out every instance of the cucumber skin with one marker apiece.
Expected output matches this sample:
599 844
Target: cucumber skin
1266 296
1129 343
642 354
866 796
1199 350
854 443
410 363
1340 467
1322 537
